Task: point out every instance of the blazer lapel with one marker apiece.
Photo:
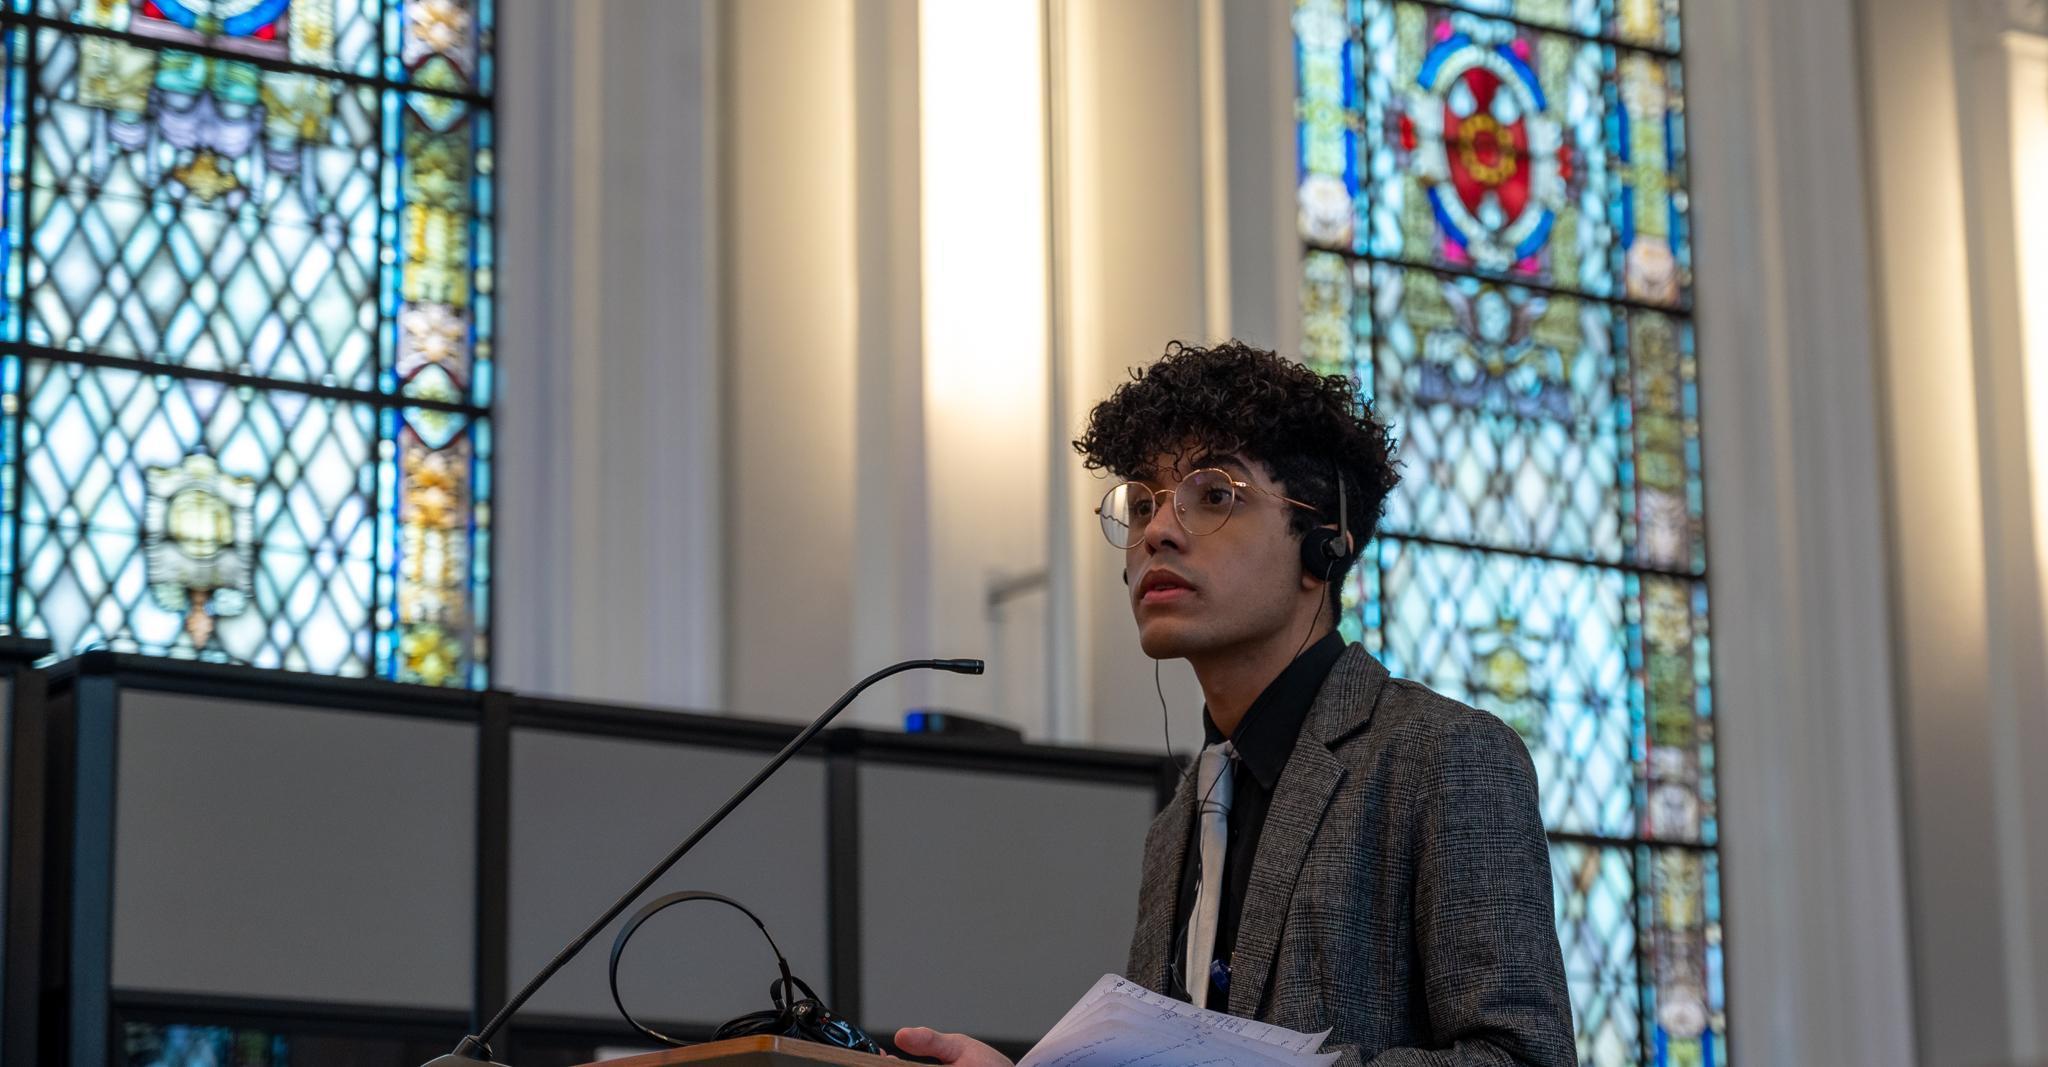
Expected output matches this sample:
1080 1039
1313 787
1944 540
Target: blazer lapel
1299 799
1303 793
1166 846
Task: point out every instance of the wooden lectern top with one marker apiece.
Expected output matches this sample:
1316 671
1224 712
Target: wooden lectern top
761 1051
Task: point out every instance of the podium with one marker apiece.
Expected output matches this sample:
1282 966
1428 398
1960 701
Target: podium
761 1051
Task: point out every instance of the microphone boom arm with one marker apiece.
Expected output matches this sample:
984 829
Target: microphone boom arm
476 1047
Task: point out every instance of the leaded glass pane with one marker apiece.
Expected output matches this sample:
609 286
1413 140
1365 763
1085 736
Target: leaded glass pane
1663 509
1683 990
434 557
202 212
1536 156
1652 234
440 279
1650 23
338 35
1587 17
1331 160
1336 315
1678 760
1489 147
188 517
1594 894
1505 402
1540 643
439 44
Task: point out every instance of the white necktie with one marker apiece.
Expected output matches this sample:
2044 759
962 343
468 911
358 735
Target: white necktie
1212 823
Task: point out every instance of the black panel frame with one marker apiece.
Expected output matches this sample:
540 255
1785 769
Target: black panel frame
24 754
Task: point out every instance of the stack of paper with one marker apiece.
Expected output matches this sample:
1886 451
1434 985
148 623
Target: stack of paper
1120 1023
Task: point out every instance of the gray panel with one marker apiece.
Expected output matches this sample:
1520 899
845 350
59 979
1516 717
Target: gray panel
591 814
278 851
991 902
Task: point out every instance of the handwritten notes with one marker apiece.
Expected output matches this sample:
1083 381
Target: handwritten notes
1123 1024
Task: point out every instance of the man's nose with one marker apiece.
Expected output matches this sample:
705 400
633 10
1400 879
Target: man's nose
1165 528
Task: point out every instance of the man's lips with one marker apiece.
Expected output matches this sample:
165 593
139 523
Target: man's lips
1161 587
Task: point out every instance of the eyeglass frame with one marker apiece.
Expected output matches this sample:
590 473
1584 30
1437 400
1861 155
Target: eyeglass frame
1234 483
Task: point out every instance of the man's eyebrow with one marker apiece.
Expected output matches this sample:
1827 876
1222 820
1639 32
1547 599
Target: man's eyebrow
1226 459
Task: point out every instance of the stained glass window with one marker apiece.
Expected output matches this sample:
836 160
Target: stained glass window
246 350
1496 246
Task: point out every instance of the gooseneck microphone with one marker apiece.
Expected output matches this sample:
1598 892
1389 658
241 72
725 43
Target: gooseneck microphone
476 1047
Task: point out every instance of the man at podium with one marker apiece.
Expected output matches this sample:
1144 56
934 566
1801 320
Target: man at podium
1351 851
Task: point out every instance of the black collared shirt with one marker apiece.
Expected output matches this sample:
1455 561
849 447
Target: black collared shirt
1265 738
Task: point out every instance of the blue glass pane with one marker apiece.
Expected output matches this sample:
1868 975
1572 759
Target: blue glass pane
1594 894
172 218
1544 645
196 519
1684 994
1505 402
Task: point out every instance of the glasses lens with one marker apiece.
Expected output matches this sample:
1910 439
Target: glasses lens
1126 510
1205 499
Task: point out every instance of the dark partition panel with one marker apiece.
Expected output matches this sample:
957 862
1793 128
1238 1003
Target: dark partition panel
296 853
256 847
991 901
591 814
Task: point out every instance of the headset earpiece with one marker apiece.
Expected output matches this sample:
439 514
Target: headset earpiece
1321 553
1323 550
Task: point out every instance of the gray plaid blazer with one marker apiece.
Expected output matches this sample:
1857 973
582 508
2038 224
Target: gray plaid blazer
1400 896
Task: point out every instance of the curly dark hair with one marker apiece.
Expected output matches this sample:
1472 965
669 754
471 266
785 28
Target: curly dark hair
1232 398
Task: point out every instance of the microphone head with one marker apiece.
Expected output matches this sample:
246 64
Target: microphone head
960 666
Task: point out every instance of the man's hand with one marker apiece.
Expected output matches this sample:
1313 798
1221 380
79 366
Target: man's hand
948 1048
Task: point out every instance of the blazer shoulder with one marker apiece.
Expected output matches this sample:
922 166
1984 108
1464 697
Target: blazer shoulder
1426 725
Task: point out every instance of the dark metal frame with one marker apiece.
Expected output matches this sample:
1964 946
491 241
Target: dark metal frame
23 752
61 1006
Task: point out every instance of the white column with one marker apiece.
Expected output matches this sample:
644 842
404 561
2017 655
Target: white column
609 543
1806 755
2022 748
792 354
1958 103
986 372
1131 245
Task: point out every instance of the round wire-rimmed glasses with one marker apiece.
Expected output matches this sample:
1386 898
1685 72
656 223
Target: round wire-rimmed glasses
1202 503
